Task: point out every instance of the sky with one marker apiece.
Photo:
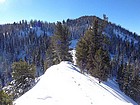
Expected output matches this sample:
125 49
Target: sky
121 12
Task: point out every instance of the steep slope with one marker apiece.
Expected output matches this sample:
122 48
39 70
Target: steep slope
63 84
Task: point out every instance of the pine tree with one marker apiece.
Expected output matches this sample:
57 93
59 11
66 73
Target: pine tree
60 43
23 75
135 88
82 49
51 54
102 65
5 99
120 75
91 52
126 75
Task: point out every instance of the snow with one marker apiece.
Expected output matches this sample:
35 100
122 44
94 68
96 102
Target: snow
123 36
73 52
73 43
63 84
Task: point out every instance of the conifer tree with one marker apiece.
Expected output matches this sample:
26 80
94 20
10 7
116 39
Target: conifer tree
60 43
23 75
102 65
126 75
5 98
51 54
134 91
82 49
91 51
120 75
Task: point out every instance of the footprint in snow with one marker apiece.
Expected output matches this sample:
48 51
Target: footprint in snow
44 98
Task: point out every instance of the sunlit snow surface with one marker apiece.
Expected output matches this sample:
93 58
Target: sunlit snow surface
63 84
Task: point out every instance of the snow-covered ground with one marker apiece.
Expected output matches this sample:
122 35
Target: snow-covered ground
63 84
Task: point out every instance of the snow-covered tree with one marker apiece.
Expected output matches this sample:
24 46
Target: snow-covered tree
24 76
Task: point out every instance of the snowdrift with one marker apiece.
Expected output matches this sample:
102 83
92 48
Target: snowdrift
63 84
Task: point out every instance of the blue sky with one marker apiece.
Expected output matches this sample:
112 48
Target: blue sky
122 12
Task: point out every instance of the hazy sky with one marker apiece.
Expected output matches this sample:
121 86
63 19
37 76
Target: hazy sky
122 12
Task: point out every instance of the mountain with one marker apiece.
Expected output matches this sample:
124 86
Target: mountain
30 41
63 84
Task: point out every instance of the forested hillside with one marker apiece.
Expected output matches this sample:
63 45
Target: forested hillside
41 43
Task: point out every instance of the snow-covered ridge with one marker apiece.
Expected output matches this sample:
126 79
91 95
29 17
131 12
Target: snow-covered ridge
63 84
124 36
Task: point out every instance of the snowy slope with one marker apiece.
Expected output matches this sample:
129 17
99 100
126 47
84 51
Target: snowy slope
63 84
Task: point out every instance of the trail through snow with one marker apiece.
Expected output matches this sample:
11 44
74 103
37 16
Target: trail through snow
63 84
